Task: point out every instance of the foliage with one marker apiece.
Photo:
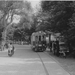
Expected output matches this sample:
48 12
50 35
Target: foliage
61 18
20 34
9 9
59 14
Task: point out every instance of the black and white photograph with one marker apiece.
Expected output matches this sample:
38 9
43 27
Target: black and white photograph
37 37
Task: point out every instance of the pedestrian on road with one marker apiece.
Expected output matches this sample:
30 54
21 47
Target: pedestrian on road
11 48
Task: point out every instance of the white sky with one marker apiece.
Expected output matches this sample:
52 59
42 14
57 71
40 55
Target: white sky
16 19
35 4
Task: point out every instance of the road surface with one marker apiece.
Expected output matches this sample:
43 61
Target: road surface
27 62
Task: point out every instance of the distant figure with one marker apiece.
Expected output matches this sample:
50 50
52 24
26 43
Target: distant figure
11 47
57 46
44 42
50 46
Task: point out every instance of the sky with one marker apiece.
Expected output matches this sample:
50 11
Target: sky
16 19
35 4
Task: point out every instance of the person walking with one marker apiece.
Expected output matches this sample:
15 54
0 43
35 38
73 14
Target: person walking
10 49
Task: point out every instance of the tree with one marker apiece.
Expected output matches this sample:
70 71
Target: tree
61 19
10 8
59 14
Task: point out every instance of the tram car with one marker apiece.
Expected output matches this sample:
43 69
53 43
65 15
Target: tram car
38 41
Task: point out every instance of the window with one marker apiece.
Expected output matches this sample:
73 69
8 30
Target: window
39 38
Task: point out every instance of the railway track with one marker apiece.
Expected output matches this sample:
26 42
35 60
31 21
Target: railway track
43 64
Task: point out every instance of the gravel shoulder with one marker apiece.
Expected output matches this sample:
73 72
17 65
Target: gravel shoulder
67 63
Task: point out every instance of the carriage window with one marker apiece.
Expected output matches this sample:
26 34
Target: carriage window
39 38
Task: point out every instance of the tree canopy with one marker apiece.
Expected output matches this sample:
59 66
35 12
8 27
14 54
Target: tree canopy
59 13
10 10
58 16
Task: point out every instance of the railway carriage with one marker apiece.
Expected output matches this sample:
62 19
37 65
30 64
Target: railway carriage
38 41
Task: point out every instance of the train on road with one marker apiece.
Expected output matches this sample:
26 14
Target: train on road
38 41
